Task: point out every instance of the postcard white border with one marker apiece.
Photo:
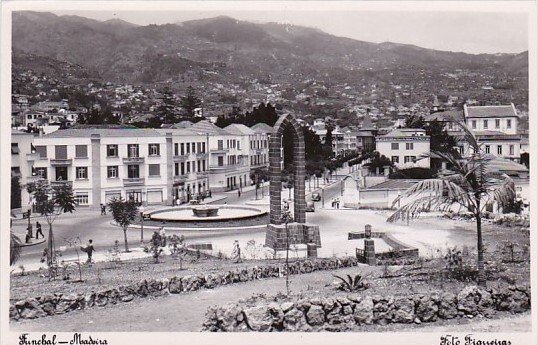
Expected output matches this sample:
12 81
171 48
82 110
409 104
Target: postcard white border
415 338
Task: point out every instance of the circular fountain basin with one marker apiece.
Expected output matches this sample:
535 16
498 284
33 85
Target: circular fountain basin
205 213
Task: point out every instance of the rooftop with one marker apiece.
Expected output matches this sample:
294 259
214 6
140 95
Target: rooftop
262 128
104 132
490 111
206 127
445 115
406 133
395 184
239 129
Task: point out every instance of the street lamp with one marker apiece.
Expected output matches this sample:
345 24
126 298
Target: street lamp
286 218
141 209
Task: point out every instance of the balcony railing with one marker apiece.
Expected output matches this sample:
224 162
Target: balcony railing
33 156
223 167
219 150
60 161
133 181
202 174
201 155
180 178
133 160
178 159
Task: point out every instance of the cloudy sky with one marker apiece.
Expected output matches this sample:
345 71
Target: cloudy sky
471 32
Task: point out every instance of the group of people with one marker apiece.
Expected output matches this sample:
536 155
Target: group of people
335 203
29 232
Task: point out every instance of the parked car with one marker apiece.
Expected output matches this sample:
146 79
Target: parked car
310 206
316 196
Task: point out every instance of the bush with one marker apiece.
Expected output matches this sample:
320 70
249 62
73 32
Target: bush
351 284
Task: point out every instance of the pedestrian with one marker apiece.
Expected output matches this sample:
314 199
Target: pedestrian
210 193
27 239
236 253
162 234
89 250
239 193
103 210
38 230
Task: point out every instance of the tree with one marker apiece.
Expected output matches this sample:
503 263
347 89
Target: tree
15 248
165 111
190 101
51 202
124 213
377 161
470 185
15 192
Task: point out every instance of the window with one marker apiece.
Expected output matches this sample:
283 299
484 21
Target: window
81 199
395 159
154 169
499 149
238 145
220 161
112 150
154 149
132 150
112 171
508 123
182 168
182 149
485 124
462 150
193 147
188 167
42 151
176 149
133 171
220 144
82 173
60 151
407 159
41 172
413 159
81 151
497 123
176 169
487 149
203 147
473 124
203 165
395 146
511 150
199 165
199 147
408 146
188 148
15 148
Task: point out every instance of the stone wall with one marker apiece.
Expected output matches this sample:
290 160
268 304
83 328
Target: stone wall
52 304
350 312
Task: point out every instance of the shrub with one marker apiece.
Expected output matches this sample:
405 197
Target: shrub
351 284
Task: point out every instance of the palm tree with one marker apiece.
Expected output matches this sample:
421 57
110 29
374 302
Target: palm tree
469 184
15 248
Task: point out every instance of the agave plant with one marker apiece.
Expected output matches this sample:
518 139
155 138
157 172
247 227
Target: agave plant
351 284
470 185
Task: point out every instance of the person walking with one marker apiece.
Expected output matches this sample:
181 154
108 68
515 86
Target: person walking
89 250
38 231
162 234
239 193
103 210
236 253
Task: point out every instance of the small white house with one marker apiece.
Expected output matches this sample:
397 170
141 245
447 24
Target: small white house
404 147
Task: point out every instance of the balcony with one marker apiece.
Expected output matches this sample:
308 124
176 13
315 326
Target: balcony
134 181
33 156
223 168
178 159
202 174
220 150
60 161
133 160
61 183
201 155
180 178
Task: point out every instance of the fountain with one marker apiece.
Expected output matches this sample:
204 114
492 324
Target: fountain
205 211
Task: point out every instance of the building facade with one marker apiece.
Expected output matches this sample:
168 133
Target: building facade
405 147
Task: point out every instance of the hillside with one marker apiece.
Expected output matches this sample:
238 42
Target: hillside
125 52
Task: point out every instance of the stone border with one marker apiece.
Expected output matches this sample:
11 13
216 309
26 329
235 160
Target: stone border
207 219
344 313
54 304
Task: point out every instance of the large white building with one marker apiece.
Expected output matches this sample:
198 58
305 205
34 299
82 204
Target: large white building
150 166
404 147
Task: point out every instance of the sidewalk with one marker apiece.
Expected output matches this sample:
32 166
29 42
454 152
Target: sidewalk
248 188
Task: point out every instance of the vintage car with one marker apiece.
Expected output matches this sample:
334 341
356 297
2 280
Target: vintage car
316 196
310 206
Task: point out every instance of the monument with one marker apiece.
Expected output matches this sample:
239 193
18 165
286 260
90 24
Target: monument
298 231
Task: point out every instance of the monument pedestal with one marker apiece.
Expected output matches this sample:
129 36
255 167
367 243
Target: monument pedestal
275 237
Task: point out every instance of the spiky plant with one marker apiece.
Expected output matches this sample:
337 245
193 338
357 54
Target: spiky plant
351 284
469 184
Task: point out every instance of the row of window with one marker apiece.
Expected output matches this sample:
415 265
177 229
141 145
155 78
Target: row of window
186 167
396 146
407 159
511 148
230 144
112 150
258 144
497 124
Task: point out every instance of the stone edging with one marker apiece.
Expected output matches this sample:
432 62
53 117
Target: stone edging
53 304
347 313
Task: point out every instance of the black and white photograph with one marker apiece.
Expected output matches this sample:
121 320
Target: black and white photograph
340 172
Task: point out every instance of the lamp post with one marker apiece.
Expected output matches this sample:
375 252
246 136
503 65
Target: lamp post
141 209
286 217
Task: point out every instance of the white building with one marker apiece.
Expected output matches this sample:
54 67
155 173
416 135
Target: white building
23 157
404 147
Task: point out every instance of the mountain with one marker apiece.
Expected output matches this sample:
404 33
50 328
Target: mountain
225 48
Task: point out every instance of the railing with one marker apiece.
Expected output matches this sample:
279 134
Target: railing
220 150
33 156
202 174
223 167
133 160
61 161
201 155
180 178
134 181
178 159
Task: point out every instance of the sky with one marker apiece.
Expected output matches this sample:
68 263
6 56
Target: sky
465 31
